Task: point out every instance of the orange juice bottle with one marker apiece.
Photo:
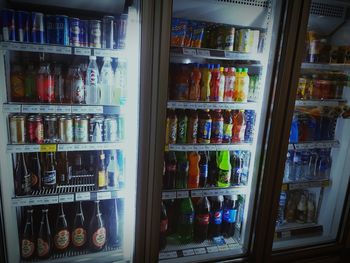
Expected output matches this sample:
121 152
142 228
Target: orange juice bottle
195 88
238 84
193 171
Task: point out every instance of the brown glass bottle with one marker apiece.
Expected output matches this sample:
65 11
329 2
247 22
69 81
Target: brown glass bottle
23 182
62 234
64 170
44 243
79 233
49 172
97 230
35 171
101 174
27 240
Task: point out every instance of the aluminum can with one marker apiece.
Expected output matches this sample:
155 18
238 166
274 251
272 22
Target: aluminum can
22 26
110 128
37 28
50 29
95 33
8 24
84 33
229 38
17 129
120 32
96 128
65 128
242 40
81 132
108 32
62 30
74 31
35 129
50 128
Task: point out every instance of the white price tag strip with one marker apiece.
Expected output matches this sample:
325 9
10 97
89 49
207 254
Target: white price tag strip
20 201
229 54
80 109
82 196
82 51
182 194
30 108
166 255
196 193
223 248
189 51
66 198
63 50
103 195
47 109
285 234
46 200
168 195
63 109
212 249
188 252
11 108
94 109
203 52
200 251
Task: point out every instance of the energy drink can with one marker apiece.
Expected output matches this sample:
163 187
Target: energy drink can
74 32
8 24
22 26
62 30
37 28
50 29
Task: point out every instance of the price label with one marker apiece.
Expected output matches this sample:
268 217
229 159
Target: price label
166 255
229 54
212 249
203 52
103 195
63 109
11 108
82 51
32 47
191 106
232 246
65 147
48 148
31 201
80 109
66 198
41 48
63 50
188 252
46 200
182 194
5 45
168 195
47 109
94 109
20 201
190 147
212 147
99 52
30 108
114 53
200 251
82 196
189 51
223 248
286 234
196 193
50 49
201 148
214 192
206 193
221 191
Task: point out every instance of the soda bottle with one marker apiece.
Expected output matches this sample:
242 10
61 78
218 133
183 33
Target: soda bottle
215 83
79 233
23 180
229 215
28 239
248 131
112 172
106 82
49 180
101 175
297 166
44 242
113 222
237 91
181 126
17 84
229 83
171 127
182 83
245 159
64 170
59 83
204 127
228 125
212 170
92 78
203 169
163 227
205 82
195 88
215 215
45 84
185 221
62 234
245 85
170 170
221 85
97 230
201 224
192 127
217 127
29 84
238 126
77 86
193 171
224 173
236 168
182 170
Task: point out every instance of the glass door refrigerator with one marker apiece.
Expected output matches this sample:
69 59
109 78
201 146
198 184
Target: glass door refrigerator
215 72
313 202
69 107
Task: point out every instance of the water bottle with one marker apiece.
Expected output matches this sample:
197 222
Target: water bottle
106 82
305 159
282 205
297 166
312 165
289 174
92 76
324 165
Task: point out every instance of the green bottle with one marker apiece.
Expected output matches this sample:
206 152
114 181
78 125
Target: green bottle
186 219
181 171
224 173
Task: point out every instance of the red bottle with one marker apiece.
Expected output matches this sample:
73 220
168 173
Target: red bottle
215 83
45 84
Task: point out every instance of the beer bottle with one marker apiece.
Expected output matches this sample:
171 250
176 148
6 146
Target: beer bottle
64 170
23 181
35 171
79 234
78 167
91 162
62 235
101 172
113 223
44 237
27 240
49 174
97 230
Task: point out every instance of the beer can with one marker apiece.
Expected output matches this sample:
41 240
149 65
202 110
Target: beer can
81 133
108 32
50 29
17 129
121 26
110 128
95 33
242 40
22 26
254 40
65 128
84 33
229 38
35 129
74 31
50 128
96 128
37 28
8 24
62 30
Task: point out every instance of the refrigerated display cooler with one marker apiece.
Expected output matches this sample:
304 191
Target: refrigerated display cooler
69 133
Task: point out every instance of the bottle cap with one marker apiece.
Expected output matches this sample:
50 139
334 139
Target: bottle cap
245 70
222 69
217 66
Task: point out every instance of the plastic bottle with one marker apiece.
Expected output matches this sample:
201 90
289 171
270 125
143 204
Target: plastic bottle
182 170
182 83
185 220
228 125
221 84
106 82
205 82
215 83
301 214
238 83
163 227
204 127
281 208
289 173
203 169
217 127
170 170
229 215
193 171
245 86
224 173
201 225
195 88
215 216
236 168
297 166
324 164
229 83
305 160
92 77
212 170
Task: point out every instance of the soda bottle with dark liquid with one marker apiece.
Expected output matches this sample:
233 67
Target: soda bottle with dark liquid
62 234
170 170
49 173
203 169
201 224
64 170
79 233
35 171
215 216
27 240
163 227
97 230
229 215
23 180
44 243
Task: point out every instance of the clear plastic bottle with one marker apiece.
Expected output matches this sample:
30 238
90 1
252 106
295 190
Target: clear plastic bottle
92 87
297 166
106 82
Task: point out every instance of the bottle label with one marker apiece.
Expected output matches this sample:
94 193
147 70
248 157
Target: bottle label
49 177
224 176
102 179
204 130
27 248
62 239
43 247
78 91
217 130
202 219
79 237
163 225
186 219
182 91
27 183
34 179
192 130
227 133
172 130
229 215
112 180
182 130
171 168
203 171
99 237
216 217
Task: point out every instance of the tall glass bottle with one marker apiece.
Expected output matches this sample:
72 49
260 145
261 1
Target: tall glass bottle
27 240
49 173
62 234
106 82
79 233
92 76
101 172
44 242
36 171
113 223
97 230
64 170
23 181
